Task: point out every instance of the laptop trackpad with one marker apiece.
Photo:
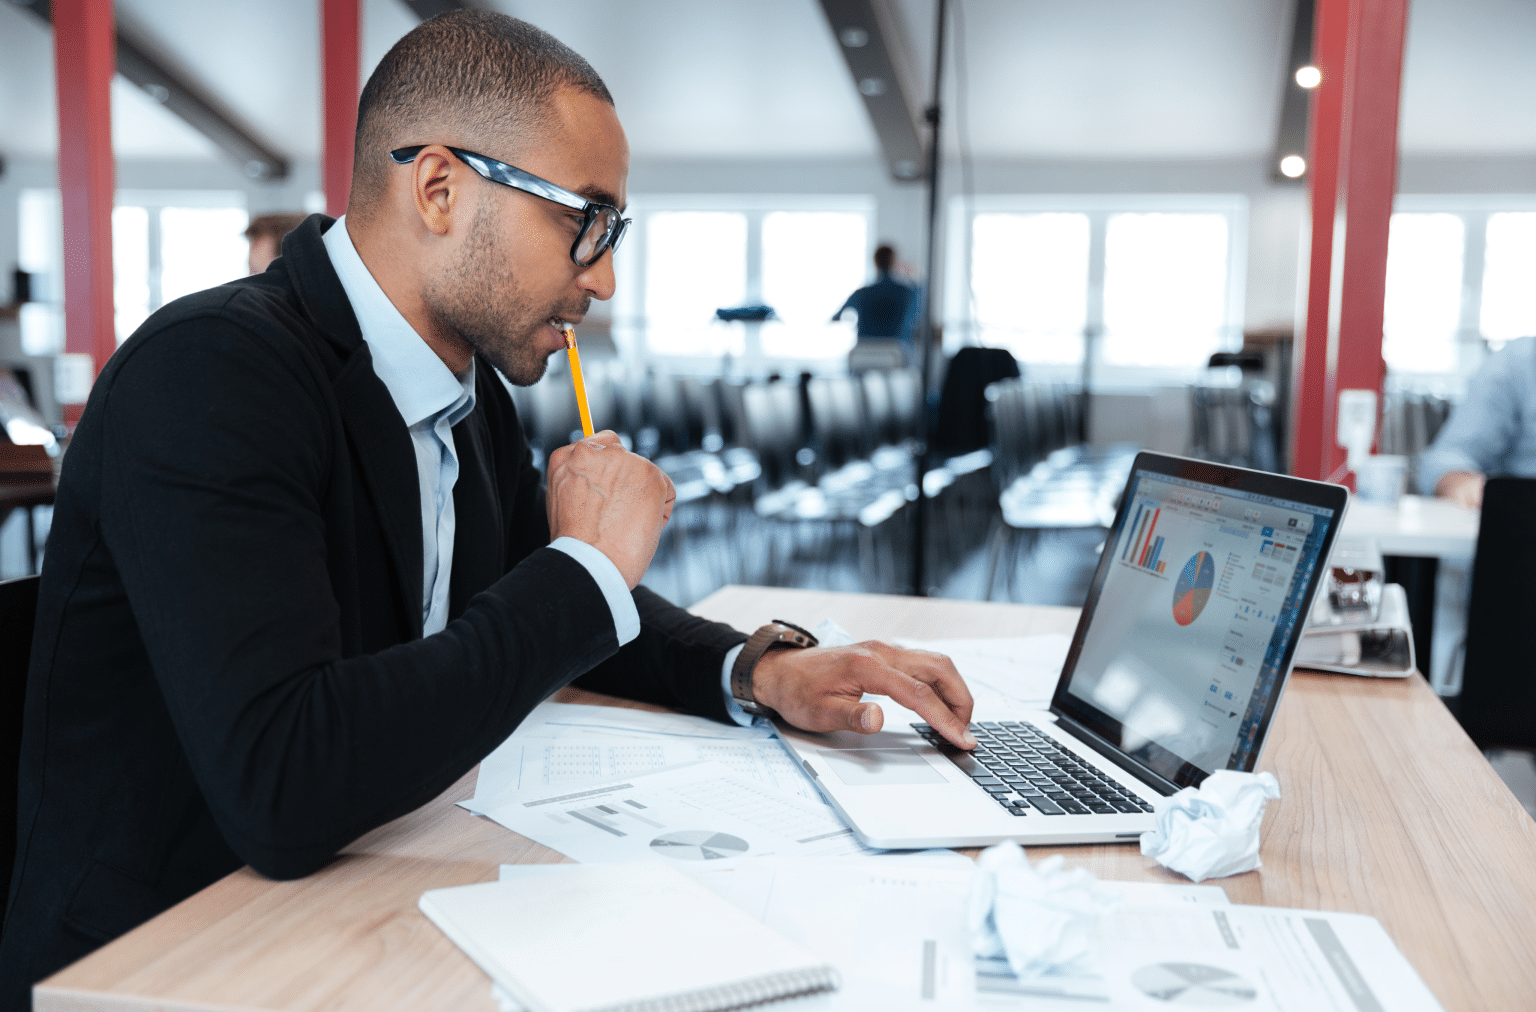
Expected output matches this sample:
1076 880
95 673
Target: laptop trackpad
861 767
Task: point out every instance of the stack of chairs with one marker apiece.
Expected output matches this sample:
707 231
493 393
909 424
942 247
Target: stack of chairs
852 477
1410 421
778 482
1048 479
1235 424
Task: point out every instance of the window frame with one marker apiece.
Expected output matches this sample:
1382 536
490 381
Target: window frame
48 291
628 313
1472 348
960 324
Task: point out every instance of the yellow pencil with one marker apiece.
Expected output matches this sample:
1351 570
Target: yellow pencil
581 387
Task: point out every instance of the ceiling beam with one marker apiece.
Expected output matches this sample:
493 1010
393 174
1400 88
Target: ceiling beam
191 103
867 34
1291 134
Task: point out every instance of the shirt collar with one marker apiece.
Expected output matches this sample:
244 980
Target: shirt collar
417 380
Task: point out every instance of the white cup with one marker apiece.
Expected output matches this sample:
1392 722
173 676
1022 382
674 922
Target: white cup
1381 479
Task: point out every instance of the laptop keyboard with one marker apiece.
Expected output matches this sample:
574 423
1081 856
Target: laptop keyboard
1026 771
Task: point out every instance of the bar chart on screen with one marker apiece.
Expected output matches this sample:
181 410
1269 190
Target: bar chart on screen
1145 548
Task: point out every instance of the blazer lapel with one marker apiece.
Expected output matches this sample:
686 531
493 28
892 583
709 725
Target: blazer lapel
388 464
378 436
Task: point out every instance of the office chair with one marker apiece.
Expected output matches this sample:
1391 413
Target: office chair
18 611
1498 694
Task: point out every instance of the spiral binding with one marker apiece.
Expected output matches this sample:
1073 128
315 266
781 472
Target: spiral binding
742 994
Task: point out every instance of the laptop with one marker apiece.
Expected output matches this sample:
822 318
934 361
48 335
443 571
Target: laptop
1183 649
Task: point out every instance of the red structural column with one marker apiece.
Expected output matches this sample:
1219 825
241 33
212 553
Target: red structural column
339 26
84 60
1352 171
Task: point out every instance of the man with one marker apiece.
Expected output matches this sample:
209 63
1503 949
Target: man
1491 432
885 307
302 574
265 234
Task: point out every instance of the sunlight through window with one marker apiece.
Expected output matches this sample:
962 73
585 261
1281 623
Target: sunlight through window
812 261
1423 303
696 263
200 247
1029 283
1509 277
1165 288
130 269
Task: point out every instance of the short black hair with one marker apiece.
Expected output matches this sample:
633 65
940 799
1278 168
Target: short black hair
474 73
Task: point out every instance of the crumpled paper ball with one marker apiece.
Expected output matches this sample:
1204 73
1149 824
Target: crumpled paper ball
1211 831
1040 917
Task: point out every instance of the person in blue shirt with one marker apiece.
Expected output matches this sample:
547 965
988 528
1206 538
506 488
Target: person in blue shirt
887 307
1491 433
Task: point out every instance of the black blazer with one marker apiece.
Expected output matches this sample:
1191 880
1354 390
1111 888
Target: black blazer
228 664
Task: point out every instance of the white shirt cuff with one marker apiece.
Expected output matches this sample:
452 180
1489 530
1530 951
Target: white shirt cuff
739 715
626 617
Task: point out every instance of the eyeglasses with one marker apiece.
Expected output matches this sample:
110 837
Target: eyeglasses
602 227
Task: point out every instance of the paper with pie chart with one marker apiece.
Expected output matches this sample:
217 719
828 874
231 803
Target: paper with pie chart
1193 587
700 814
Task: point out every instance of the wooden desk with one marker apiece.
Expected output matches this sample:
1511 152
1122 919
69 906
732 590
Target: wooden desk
1388 810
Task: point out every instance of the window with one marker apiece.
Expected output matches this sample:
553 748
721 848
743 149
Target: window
41 255
1156 278
200 247
1459 272
691 255
1029 284
1509 277
696 262
1165 288
812 261
1423 301
130 269
165 244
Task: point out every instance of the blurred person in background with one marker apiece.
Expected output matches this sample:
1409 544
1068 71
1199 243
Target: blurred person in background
886 308
265 234
1491 433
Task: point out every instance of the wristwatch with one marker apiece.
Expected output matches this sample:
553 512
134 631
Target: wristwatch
775 635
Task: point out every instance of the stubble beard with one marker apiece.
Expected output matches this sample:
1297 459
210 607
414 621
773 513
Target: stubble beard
480 301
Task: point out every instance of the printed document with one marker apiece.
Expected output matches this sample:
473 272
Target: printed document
703 813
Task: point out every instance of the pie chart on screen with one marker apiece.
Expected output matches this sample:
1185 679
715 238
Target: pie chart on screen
1193 587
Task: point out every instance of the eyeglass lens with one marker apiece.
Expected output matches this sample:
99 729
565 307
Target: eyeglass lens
599 235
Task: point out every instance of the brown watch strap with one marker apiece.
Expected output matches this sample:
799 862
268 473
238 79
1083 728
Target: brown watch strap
776 634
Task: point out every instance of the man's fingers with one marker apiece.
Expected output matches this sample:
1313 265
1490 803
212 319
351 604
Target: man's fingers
921 698
935 670
607 437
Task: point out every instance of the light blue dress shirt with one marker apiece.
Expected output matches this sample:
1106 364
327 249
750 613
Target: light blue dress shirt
1493 430
431 401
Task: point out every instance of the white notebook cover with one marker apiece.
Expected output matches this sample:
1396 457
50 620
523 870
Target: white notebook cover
622 938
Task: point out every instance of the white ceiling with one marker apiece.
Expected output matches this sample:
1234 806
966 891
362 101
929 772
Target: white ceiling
1103 79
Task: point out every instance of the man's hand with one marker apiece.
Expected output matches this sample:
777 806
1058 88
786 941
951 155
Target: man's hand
1464 488
819 689
614 500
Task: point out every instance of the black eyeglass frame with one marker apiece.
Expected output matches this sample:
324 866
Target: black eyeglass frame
518 179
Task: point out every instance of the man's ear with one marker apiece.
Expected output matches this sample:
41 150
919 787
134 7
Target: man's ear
436 178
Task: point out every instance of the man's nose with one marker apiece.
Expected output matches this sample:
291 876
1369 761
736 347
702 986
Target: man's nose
598 280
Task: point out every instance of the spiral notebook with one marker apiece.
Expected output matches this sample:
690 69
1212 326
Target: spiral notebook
639 937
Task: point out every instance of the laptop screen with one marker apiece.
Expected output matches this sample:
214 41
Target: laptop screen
1192 619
